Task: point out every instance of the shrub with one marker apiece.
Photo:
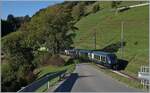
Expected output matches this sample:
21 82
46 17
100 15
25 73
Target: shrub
56 60
95 8
19 62
78 11
115 4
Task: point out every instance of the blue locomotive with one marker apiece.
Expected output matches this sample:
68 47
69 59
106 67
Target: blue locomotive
104 58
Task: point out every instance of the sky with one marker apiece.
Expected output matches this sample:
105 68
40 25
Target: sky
24 7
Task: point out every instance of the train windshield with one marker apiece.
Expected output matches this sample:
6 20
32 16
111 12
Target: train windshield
112 57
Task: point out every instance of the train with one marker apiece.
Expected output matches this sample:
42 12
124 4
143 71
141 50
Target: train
106 59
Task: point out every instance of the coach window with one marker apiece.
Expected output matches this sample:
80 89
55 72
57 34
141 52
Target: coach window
103 59
100 58
96 57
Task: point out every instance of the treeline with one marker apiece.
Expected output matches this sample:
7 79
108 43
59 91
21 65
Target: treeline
12 24
52 27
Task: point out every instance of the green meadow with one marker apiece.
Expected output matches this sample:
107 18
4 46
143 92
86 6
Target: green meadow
107 25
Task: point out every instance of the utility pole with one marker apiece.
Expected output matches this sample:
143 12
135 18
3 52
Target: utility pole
95 39
122 27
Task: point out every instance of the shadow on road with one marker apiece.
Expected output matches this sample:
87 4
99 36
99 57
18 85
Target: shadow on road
67 85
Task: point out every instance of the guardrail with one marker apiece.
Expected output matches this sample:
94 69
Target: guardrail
144 74
35 85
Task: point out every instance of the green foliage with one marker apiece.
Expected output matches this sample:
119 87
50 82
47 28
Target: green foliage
78 11
96 8
52 27
7 76
41 58
115 4
19 63
70 5
13 23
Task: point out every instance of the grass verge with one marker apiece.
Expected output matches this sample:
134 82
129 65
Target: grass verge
48 69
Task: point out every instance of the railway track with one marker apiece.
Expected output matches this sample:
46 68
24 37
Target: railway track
121 73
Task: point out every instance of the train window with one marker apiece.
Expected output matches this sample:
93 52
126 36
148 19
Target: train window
112 57
97 57
100 58
89 55
86 54
103 58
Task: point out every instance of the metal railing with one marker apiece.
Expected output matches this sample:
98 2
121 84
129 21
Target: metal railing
144 75
35 85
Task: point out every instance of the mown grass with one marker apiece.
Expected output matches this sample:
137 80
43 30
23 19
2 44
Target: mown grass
107 25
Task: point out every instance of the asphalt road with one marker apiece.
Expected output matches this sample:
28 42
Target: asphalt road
86 78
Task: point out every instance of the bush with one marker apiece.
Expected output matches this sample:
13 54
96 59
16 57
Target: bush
115 4
56 60
41 58
78 11
95 8
19 62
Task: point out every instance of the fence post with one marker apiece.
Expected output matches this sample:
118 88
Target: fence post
48 85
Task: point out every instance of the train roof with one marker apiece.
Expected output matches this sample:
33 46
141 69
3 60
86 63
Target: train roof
85 51
102 53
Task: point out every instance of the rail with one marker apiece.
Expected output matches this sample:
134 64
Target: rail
35 85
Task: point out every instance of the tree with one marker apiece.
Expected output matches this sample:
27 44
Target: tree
6 27
13 24
10 18
62 31
78 11
115 4
19 59
53 27
95 8
26 18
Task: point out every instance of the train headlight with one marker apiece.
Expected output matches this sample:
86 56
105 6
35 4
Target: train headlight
109 62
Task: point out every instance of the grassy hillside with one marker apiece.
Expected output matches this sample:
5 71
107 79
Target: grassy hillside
107 25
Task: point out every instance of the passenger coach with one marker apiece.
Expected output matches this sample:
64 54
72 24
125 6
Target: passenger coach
104 58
